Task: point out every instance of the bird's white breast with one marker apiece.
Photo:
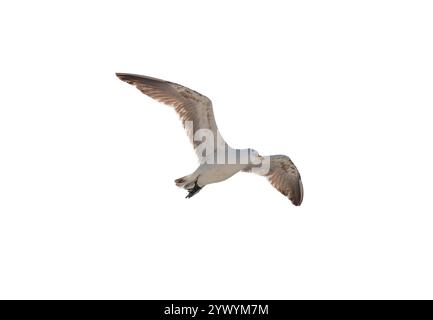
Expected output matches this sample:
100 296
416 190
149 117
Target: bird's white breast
212 173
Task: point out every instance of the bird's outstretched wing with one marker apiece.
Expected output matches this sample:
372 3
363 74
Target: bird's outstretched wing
284 176
191 106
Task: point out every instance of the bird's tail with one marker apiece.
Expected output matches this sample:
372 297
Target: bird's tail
181 181
186 182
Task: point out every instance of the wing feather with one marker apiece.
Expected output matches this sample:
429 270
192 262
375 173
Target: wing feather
284 176
189 105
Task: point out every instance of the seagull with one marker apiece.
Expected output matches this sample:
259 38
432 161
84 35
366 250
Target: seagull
218 161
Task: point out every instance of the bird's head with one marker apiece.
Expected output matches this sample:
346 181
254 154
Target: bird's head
254 157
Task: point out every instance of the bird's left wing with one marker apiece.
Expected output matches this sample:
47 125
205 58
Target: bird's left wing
191 106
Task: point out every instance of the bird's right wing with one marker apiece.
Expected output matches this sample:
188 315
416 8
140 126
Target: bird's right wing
191 106
285 177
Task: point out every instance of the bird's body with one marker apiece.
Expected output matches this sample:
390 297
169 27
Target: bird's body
213 173
218 161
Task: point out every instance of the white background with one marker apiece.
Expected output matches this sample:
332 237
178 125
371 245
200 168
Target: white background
88 204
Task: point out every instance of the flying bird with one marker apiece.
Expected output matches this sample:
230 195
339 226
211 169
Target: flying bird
218 161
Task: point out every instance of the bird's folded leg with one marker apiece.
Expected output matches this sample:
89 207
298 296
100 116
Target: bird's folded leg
193 191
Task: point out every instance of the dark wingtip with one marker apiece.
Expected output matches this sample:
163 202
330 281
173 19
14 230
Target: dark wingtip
296 202
128 77
301 193
298 195
132 78
123 76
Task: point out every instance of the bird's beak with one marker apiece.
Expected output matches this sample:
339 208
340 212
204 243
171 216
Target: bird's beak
260 157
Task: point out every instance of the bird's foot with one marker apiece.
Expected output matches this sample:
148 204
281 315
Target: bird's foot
193 191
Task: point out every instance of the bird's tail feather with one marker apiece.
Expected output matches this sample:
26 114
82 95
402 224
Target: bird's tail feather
186 182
